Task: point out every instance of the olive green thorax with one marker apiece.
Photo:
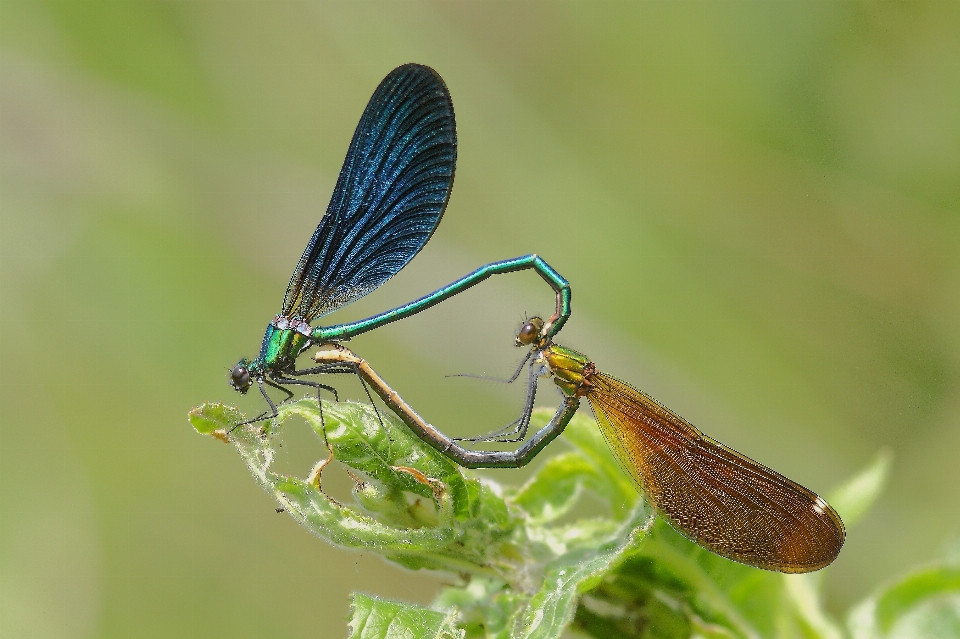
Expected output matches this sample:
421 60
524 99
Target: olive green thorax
571 370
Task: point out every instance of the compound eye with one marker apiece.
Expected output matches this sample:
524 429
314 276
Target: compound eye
528 334
240 378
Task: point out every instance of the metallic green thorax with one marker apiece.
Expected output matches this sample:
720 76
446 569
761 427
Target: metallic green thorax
279 349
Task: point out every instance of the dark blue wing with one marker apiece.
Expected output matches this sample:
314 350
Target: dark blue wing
391 193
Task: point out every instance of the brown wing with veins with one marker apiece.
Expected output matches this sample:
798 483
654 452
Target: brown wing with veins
713 495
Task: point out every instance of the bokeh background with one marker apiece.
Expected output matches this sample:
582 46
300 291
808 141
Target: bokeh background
756 203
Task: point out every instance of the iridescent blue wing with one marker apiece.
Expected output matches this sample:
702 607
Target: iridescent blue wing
391 193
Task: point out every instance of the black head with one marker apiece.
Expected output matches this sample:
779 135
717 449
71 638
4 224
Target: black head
530 332
240 376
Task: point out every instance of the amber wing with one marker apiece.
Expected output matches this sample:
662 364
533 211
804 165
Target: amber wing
713 495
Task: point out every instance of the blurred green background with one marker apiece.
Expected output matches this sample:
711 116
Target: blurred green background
756 203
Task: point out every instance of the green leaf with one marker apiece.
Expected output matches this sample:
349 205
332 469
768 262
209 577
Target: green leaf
374 618
210 418
804 592
606 478
851 499
854 497
702 588
553 491
529 567
552 608
488 607
639 599
379 445
712 596
925 603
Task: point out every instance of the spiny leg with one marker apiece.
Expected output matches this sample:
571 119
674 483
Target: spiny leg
333 368
520 425
336 368
366 389
341 369
319 387
512 378
273 407
272 382
303 382
441 442
314 476
524 421
514 426
495 435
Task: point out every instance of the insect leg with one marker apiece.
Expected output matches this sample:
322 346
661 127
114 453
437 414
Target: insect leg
438 440
520 425
265 414
510 380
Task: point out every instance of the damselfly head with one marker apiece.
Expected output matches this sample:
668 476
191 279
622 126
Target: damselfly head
530 331
240 376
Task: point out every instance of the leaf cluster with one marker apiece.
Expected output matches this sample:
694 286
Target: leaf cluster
531 566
